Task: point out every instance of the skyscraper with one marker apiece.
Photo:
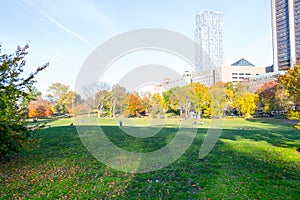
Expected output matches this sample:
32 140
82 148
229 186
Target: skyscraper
209 40
286 33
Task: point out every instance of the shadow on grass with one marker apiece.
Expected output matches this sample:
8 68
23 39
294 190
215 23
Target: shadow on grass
277 133
226 173
61 140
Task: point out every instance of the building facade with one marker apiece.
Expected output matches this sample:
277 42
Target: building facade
167 84
206 77
235 73
209 40
286 33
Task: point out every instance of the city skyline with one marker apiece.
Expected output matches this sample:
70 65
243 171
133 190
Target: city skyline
65 34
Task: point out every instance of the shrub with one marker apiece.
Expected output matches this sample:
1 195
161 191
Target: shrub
293 114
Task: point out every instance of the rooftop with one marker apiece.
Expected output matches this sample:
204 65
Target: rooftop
242 62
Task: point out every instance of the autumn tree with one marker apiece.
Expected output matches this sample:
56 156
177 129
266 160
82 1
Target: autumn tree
182 99
103 98
33 94
170 100
61 97
14 87
273 96
147 102
40 108
200 97
134 106
157 105
118 96
291 81
217 99
245 103
194 97
267 96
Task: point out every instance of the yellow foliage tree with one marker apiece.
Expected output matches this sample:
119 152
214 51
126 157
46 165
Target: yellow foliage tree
246 103
291 81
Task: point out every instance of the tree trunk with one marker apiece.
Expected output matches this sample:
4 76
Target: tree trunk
114 109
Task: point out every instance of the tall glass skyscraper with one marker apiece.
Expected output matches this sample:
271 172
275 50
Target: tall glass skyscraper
209 40
286 33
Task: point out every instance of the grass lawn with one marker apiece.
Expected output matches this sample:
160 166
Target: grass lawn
253 159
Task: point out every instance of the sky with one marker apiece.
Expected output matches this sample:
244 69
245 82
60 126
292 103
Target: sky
65 32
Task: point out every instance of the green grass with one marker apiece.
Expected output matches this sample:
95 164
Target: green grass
253 159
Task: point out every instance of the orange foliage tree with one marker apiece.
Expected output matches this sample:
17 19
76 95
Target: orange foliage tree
40 108
273 96
134 106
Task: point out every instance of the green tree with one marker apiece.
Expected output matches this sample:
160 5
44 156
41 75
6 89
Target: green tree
14 89
34 94
182 99
171 103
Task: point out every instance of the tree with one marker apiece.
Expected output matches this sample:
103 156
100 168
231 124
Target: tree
200 97
98 97
267 96
147 102
14 89
33 94
273 96
40 108
118 96
171 103
291 81
229 95
103 100
61 97
157 105
181 99
245 103
217 99
134 106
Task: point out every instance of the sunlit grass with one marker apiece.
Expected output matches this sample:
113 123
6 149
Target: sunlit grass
254 159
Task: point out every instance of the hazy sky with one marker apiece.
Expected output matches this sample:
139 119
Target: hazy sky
65 32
